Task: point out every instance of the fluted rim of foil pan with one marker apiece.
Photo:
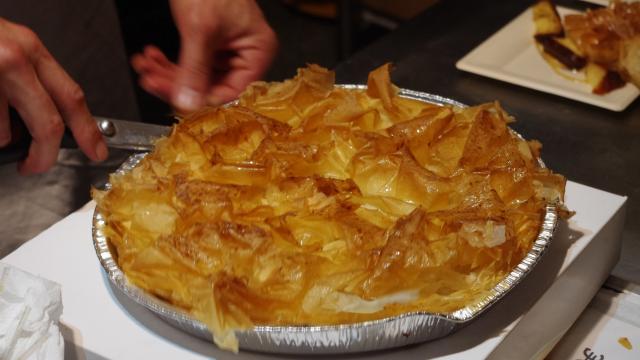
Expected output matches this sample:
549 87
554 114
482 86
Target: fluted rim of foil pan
386 333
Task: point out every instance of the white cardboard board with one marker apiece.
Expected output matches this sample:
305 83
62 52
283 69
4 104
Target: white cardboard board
610 317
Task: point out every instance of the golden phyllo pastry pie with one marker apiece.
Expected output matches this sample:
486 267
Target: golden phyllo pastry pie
311 204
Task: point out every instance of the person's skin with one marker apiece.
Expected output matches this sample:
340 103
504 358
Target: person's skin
44 95
225 45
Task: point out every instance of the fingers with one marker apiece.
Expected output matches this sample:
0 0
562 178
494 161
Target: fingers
233 30
193 73
153 62
44 95
259 50
226 86
70 101
246 66
157 73
164 79
153 53
222 78
5 124
38 112
158 86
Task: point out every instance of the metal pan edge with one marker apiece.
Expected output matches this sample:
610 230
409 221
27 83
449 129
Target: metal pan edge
379 334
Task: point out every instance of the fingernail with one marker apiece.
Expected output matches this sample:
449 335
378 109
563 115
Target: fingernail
188 99
101 151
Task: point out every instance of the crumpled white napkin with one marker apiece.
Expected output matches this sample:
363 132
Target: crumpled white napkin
30 308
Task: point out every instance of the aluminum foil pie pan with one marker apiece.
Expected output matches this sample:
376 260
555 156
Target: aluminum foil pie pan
391 332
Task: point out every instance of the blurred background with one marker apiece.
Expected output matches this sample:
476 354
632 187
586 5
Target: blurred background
310 31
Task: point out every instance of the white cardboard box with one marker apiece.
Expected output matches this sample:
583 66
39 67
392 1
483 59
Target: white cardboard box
99 322
612 315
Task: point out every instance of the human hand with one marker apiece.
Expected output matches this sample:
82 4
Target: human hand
46 98
225 45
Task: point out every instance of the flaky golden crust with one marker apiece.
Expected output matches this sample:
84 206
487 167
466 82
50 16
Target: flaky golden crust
308 204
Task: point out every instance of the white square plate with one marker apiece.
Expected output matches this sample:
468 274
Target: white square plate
511 55
604 2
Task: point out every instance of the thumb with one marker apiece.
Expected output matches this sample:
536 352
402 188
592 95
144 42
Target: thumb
193 74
